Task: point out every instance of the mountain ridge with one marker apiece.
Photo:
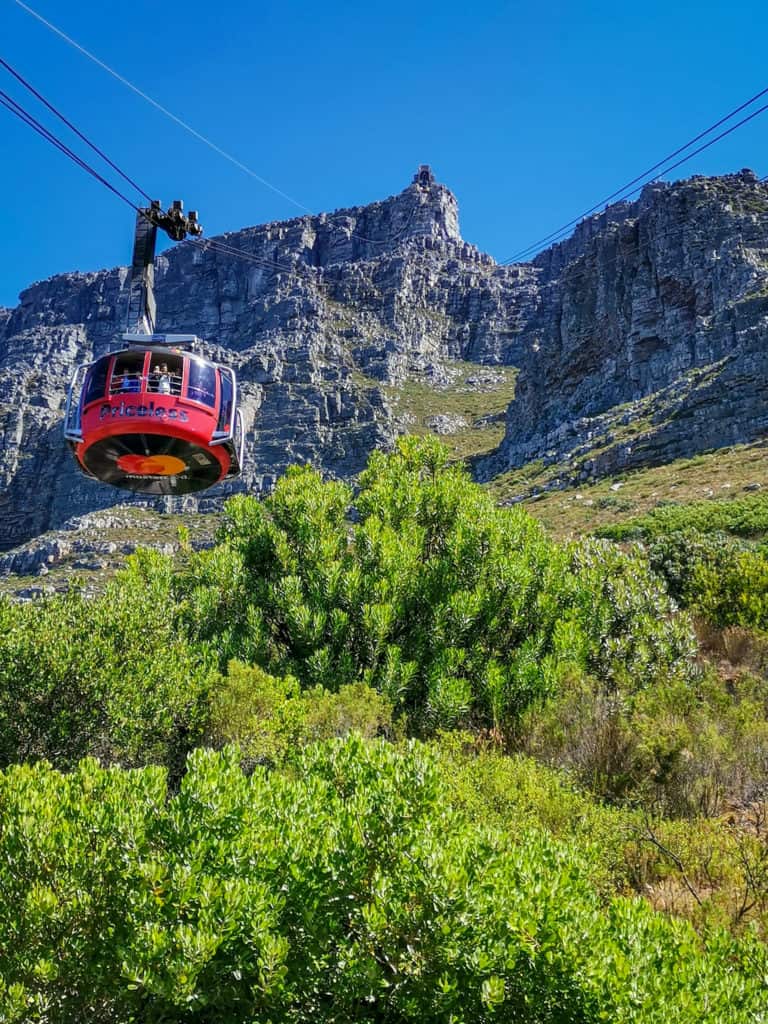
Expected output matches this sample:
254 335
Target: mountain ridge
328 317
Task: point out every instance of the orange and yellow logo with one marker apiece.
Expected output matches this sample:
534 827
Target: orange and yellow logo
151 465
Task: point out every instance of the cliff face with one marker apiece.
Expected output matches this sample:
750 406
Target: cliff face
642 337
327 311
652 337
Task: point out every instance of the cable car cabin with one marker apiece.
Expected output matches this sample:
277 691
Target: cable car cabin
155 419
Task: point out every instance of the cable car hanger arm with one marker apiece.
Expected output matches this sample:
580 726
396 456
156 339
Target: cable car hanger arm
142 308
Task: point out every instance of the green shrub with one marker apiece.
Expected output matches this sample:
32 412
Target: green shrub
733 591
271 719
348 891
457 612
708 871
721 579
674 557
516 793
613 502
113 676
742 517
679 748
635 636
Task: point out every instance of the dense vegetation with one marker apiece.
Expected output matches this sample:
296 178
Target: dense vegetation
432 867
742 517
711 554
348 889
453 610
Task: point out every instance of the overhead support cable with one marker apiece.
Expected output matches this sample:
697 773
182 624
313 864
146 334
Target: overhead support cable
15 108
32 122
226 249
188 128
158 106
37 126
618 196
760 110
711 142
73 128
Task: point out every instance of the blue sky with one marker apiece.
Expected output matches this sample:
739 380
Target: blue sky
530 113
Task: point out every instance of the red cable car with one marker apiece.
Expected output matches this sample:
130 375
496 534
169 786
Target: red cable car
155 418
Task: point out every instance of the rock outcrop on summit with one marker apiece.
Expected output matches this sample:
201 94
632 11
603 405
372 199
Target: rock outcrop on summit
641 338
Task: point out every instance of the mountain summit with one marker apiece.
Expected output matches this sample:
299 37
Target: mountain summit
347 328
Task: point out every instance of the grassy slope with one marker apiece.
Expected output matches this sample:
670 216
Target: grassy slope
418 400
717 476
134 527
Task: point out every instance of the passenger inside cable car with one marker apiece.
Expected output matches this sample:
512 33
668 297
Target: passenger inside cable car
166 377
126 373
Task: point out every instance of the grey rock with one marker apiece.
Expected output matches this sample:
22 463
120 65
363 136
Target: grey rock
655 315
640 339
446 423
30 593
489 419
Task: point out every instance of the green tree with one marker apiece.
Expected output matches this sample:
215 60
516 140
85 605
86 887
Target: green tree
113 676
418 586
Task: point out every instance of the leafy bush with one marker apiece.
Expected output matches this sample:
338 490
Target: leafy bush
742 517
516 793
710 871
682 749
733 591
112 677
270 719
348 891
627 615
674 557
454 610
721 579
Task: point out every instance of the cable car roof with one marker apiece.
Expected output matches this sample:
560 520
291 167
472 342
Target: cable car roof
162 341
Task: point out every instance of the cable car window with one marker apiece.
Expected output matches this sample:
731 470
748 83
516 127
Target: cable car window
166 374
225 412
96 383
126 373
201 386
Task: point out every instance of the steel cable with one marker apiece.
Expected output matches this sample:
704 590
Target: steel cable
163 110
187 127
77 131
15 108
555 235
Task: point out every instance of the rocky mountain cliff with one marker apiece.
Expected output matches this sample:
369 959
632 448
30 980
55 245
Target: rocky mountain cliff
641 337
652 336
